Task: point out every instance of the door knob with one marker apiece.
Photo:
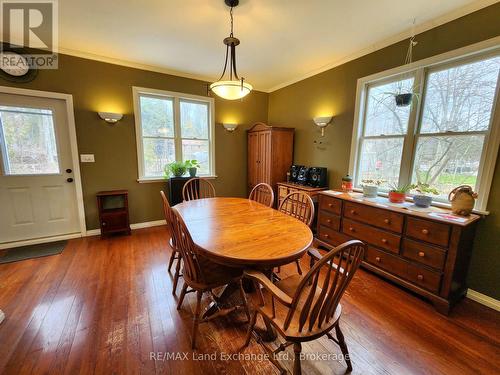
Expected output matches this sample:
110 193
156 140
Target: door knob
69 170
69 179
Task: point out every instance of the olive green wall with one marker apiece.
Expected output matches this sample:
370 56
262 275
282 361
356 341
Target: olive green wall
334 91
98 86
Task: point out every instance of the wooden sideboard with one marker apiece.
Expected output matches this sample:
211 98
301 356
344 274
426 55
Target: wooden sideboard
424 250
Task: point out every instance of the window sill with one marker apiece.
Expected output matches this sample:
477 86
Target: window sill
148 180
435 204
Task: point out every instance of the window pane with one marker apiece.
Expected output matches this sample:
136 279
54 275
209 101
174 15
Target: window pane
194 120
460 98
446 162
28 141
157 153
380 159
157 115
197 150
382 114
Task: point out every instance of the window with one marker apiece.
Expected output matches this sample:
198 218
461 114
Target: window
173 127
445 138
28 141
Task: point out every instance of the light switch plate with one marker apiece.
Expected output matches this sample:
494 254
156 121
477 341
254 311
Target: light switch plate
87 158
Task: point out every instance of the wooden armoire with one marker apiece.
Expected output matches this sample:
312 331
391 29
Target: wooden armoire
270 154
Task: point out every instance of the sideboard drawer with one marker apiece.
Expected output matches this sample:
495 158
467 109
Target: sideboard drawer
330 204
425 254
423 277
388 262
428 231
381 218
331 236
329 220
377 237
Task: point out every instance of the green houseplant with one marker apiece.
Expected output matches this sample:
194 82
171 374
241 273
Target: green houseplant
192 166
423 199
176 168
397 194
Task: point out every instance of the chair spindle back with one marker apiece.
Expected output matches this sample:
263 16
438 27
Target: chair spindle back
197 188
192 270
299 206
319 308
262 193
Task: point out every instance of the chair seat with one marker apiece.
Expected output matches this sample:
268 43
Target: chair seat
289 286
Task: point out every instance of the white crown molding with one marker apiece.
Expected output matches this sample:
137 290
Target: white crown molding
483 299
457 13
418 29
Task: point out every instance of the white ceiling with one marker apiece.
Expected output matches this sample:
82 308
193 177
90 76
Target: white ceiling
281 40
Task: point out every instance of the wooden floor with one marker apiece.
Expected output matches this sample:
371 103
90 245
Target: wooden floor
105 307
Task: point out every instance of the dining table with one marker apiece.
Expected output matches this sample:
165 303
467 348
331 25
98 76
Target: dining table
243 233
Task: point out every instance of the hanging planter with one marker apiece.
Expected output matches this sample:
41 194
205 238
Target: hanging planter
403 100
404 96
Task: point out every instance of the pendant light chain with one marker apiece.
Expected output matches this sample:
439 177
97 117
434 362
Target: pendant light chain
231 14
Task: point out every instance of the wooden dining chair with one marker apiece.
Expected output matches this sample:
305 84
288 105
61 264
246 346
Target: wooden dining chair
262 193
176 255
202 275
309 307
197 188
301 207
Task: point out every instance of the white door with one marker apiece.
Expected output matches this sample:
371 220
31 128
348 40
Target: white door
37 189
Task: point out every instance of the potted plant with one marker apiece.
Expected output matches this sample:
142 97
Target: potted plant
370 187
422 199
397 194
176 168
192 166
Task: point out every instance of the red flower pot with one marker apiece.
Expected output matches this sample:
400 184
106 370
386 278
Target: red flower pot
396 197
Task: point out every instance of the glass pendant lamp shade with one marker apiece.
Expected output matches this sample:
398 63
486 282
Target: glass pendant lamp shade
234 87
231 90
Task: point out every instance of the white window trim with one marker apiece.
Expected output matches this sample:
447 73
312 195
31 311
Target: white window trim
492 140
176 96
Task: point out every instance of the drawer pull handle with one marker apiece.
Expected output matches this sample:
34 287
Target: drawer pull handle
352 229
327 236
103 223
384 240
353 212
420 277
421 254
328 221
425 231
377 259
330 205
387 221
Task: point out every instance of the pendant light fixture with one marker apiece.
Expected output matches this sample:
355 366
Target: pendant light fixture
235 87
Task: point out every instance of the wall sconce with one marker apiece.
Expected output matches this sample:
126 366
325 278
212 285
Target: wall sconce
109 117
230 127
322 122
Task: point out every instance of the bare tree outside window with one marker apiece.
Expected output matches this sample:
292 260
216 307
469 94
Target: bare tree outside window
444 145
456 115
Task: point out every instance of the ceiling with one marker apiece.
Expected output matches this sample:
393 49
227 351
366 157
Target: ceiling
282 41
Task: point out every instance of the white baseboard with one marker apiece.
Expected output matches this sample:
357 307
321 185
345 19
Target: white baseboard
147 224
10 245
483 299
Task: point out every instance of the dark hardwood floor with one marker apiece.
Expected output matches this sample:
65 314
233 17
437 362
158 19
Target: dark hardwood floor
104 306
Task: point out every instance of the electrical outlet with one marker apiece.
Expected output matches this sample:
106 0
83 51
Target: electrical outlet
87 158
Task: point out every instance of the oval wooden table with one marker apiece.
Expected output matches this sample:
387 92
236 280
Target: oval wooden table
239 232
